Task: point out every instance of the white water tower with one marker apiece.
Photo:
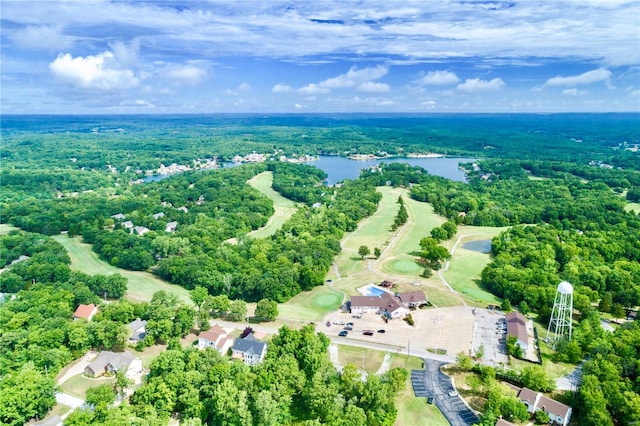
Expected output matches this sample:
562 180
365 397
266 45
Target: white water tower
560 322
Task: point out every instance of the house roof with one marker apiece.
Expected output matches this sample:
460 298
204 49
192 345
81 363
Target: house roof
527 395
127 224
137 324
141 230
412 297
366 301
552 406
249 345
118 361
212 334
158 215
517 326
84 311
503 422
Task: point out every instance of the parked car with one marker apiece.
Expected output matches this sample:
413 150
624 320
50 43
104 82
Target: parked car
430 400
368 332
338 322
349 324
348 327
453 392
382 330
343 333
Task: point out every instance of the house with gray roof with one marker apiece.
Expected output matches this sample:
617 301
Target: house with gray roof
517 327
111 362
249 350
138 330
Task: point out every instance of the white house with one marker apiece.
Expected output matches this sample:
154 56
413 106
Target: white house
558 413
392 306
216 337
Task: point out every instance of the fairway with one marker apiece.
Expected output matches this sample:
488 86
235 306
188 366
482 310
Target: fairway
632 207
465 266
311 305
140 285
284 207
5 228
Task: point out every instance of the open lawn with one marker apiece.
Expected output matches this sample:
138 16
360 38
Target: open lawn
365 359
77 385
633 207
311 305
284 207
465 266
140 285
413 410
5 228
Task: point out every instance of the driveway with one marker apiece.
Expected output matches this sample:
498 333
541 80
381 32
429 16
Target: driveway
69 401
432 382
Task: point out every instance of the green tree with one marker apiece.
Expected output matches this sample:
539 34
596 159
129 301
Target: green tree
25 394
617 311
464 361
237 310
101 394
535 378
198 295
377 252
363 251
541 417
606 302
480 352
266 310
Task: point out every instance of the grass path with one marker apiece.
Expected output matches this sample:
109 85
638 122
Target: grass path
5 228
284 207
140 285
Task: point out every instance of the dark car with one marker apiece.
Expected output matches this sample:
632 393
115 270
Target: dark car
430 400
368 332
343 333
381 330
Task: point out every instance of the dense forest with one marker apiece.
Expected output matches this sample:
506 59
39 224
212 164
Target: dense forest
560 183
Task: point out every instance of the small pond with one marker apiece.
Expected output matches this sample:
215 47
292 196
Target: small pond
482 246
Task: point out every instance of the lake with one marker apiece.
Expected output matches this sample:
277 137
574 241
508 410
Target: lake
341 168
482 246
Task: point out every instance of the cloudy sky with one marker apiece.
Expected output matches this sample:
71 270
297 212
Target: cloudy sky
98 56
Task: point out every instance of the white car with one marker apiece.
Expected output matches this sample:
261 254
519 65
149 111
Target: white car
453 393
338 322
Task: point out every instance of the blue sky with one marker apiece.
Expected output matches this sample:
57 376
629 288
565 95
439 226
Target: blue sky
95 56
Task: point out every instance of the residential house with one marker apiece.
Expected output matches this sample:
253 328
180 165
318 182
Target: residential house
85 312
118 216
128 225
138 330
249 350
141 230
171 227
111 362
183 209
559 413
158 215
517 327
216 337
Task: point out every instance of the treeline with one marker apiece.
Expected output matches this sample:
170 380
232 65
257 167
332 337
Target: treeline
295 384
295 258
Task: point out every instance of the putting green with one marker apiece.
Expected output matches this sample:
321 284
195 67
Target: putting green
327 300
403 267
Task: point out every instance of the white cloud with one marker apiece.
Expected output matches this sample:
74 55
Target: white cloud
298 106
244 87
634 94
574 92
473 85
101 71
186 74
354 77
41 37
282 88
373 87
313 89
589 77
438 78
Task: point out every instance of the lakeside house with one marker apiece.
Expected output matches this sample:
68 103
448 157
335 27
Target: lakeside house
85 312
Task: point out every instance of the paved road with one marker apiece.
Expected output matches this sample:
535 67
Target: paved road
571 381
432 382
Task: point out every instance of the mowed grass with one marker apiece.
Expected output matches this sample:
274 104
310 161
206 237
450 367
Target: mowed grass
311 305
5 228
78 385
466 265
284 207
140 285
633 207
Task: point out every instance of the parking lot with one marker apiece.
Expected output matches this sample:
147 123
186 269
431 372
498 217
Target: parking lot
489 332
438 330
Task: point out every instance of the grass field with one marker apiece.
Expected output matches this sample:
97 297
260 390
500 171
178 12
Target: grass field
78 385
5 228
466 265
140 285
311 305
284 207
633 207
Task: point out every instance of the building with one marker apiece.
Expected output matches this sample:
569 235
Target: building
559 413
138 330
517 327
392 306
249 350
111 362
118 216
141 230
85 312
171 226
216 337
158 215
